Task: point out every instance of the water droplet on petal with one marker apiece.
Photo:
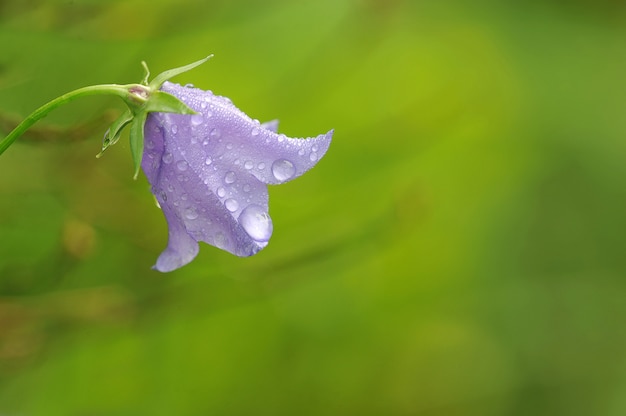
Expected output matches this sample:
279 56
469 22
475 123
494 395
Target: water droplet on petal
182 165
231 205
229 146
221 192
208 161
203 105
281 137
229 177
261 166
282 169
215 133
191 213
313 156
197 119
174 128
248 164
246 188
256 222
220 240
254 131
301 152
150 144
167 158
314 148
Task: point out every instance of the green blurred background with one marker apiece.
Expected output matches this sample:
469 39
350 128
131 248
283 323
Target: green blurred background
460 250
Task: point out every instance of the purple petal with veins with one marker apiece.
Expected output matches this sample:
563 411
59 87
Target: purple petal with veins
209 173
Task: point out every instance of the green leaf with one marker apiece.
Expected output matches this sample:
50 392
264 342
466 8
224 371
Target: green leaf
113 134
164 76
136 140
162 102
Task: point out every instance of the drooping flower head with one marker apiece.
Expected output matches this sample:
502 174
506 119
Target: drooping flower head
209 173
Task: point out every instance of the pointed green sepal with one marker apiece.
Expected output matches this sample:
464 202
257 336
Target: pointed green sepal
164 76
136 140
162 102
113 133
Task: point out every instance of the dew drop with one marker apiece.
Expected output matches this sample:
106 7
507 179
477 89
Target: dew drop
208 161
314 148
191 213
256 222
246 188
261 166
150 144
229 177
301 152
254 131
182 165
229 146
167 158
215 133
196 119
203 105
174 129
248 164
231 205
220 240
313 156
221 192
282 169
281 137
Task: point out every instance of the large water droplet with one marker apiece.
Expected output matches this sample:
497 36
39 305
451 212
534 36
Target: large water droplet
256 222
191 213
282 169
248 164
231 205
229 177
182 165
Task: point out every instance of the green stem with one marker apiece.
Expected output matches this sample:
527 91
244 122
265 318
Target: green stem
104 89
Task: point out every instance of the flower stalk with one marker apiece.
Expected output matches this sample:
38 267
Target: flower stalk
141 99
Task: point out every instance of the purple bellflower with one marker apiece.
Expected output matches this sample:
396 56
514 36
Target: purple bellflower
209 171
